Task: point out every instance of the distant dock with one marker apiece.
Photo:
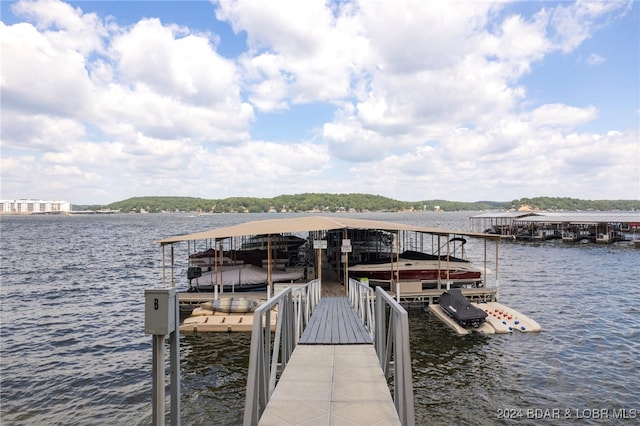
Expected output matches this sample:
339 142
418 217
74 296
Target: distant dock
92 212
570 227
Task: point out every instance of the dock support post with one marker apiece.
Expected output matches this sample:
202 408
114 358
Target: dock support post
174 348
157 386
497 283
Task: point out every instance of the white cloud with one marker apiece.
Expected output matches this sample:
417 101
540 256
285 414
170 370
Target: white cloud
37 75
595 59
429 99
299 52
65 27
175 63
573 23
39 132
173 84
562 115
409 37
547 163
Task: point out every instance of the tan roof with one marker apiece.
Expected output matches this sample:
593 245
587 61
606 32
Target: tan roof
307 224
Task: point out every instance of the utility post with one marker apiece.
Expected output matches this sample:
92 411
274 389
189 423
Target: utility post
162 318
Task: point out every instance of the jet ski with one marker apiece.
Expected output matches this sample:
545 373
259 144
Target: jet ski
454 304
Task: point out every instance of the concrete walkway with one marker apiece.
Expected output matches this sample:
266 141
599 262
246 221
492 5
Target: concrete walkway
331 385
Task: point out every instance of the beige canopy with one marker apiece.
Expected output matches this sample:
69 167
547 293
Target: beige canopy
308 224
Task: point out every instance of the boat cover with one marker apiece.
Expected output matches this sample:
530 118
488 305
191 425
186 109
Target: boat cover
454 304
413 255
243 275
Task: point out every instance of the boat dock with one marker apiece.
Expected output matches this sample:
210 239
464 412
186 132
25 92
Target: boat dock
326 351
333 376
570 227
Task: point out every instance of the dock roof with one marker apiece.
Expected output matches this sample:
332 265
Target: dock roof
504 215
583 217
311 223
563 217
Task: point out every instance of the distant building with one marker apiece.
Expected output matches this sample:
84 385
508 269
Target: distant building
34 207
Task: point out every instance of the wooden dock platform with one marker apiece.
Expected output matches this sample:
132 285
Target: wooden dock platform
334 376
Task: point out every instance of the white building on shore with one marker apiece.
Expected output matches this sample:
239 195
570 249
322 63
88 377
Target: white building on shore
34 207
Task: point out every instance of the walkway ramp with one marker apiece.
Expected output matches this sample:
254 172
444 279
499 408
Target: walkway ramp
334 376
335 322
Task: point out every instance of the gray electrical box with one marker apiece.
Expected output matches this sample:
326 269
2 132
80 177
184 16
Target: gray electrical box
160 311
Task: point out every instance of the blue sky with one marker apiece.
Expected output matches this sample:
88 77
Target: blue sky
465 101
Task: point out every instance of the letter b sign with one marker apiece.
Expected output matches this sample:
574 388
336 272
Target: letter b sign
160 311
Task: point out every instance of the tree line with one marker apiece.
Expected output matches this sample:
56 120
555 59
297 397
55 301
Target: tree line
324 202
573 204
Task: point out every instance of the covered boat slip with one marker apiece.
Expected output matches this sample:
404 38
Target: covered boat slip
310 224
571 227
441 242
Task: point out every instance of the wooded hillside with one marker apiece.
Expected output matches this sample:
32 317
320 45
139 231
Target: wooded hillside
348 202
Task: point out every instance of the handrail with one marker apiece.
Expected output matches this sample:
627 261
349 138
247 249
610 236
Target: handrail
392 341
362 298
294 308
305 300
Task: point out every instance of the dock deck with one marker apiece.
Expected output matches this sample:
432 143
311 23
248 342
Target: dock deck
331 385
333 376
335 322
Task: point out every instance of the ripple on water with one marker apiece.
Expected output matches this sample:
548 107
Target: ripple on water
73 350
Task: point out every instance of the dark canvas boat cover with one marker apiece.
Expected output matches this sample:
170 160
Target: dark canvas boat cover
460 309
413 255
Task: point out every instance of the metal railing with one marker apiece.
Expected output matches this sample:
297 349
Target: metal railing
384 318
393 350
305 299
268 357
362 298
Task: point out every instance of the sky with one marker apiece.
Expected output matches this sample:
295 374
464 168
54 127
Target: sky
412 100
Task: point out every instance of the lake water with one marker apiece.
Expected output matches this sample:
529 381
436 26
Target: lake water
73 348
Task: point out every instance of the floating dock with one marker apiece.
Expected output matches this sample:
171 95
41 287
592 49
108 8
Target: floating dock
500 319
220 323
337 383
203 318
